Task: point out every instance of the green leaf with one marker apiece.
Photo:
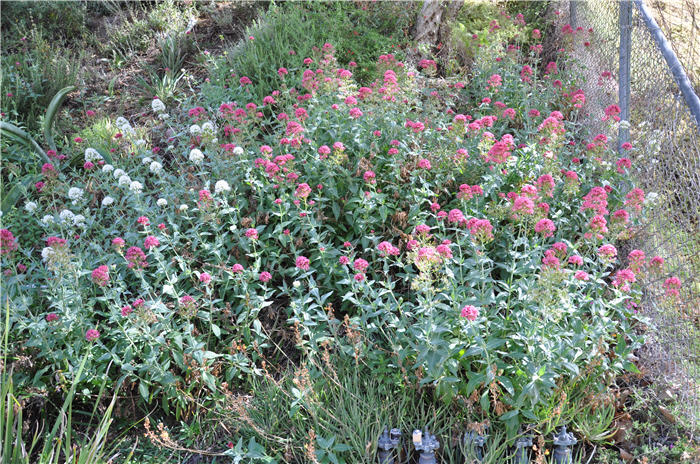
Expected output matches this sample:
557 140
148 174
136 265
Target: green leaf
341 447
484 401
51 112
507 384
143 390
18 135
631 367
508 415
495 343
209 380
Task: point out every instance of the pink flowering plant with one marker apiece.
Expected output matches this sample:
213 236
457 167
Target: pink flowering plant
468 240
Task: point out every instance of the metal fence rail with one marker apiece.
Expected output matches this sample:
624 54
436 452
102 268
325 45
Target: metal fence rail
626 58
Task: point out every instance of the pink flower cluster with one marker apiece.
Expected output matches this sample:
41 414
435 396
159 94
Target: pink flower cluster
469 312
100 276
481 229
136 258
387 249
672 285
8 243
501 150
303 263
467 192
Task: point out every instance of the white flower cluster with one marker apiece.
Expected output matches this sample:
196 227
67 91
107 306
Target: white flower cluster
30 206
125 127
208 128
196 156
136 186
46 253
155 167
75 194
651 199
221 186
67 218
158 107
92 156
238 151
124 180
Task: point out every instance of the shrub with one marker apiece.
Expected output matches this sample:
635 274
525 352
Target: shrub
32 74
277 43
139 27
467 255
65 20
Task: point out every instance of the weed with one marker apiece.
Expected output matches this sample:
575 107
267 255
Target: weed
33 74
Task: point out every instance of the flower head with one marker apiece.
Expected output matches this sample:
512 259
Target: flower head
101 276
302 263
672 285
136 258
150 242
360 265
8 242
387 249
303 190
469 312
221 186
545 227
608 252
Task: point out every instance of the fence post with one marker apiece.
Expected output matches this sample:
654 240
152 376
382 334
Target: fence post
572 13
624 71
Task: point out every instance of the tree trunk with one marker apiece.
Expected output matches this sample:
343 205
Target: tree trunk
428 22
453 7
432 24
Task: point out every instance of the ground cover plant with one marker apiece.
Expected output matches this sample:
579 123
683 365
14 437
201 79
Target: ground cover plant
262 259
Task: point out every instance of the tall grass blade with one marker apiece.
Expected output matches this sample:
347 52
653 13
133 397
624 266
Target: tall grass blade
52 111
18 135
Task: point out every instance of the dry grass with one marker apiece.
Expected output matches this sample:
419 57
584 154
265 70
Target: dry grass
680 22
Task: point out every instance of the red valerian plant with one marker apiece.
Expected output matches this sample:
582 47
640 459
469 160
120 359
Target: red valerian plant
470 245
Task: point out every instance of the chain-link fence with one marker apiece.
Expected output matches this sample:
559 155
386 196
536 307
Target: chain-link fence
680 22
665 158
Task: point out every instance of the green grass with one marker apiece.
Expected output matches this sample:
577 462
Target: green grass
352 31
